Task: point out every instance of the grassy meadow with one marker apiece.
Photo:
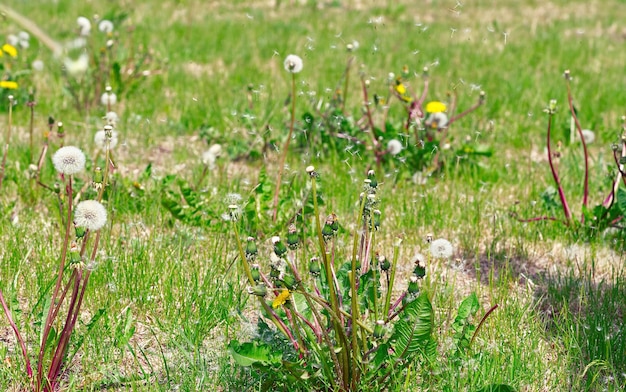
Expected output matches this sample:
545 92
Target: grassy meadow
167 293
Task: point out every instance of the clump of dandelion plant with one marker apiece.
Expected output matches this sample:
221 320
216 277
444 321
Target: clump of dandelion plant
340 318
612 210
83 224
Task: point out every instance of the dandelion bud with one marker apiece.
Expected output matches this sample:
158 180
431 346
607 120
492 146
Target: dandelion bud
376 219
373 182
622 160
327 232
279 248
349 47
384 263
80 232
314 266
251 249
292 237
274 272
379 329
254 271
481 97
413 286
74 256
259 290
311 171
290 282
567 75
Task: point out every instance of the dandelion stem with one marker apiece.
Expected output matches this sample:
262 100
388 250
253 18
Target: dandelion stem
51 311
394 263
482 321
7 312
555 175
585 152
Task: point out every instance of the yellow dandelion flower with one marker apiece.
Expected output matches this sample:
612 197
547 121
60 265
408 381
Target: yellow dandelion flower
435 107
400 89
8 84
10 50
281 299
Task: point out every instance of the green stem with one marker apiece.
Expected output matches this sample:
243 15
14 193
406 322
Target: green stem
391 279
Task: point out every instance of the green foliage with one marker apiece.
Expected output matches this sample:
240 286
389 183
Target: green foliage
463 329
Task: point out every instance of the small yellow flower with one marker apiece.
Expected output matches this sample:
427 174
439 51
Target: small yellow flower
10 50
8 84
400 89
281 299
435 107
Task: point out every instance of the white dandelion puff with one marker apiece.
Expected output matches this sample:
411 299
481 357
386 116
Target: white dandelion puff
111 118
394 147
100 139
76 66
105 26
84 25
293 63
69 160
589 136
441 249
108 98
90 214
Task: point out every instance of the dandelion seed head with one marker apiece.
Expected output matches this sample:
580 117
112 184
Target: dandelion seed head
441 249
84 25
101 137
394 147
293 63
105 26
76 66
90 214
108 98
69 160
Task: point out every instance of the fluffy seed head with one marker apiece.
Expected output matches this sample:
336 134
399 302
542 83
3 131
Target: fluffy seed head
394 147
441 249
293 63
84 25
69 160
90 214
101 137
105 26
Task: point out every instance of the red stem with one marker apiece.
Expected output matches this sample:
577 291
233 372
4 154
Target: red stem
555 175
7 312
582 139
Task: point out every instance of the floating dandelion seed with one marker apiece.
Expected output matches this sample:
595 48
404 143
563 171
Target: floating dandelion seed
441 249
293 64
90 214
394 147
69 160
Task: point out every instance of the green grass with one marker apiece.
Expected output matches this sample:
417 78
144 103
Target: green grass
559 325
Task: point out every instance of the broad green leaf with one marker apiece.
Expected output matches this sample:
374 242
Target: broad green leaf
252 353
468 307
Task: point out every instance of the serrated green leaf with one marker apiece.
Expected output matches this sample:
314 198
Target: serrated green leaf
251 353
468 307
497 388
